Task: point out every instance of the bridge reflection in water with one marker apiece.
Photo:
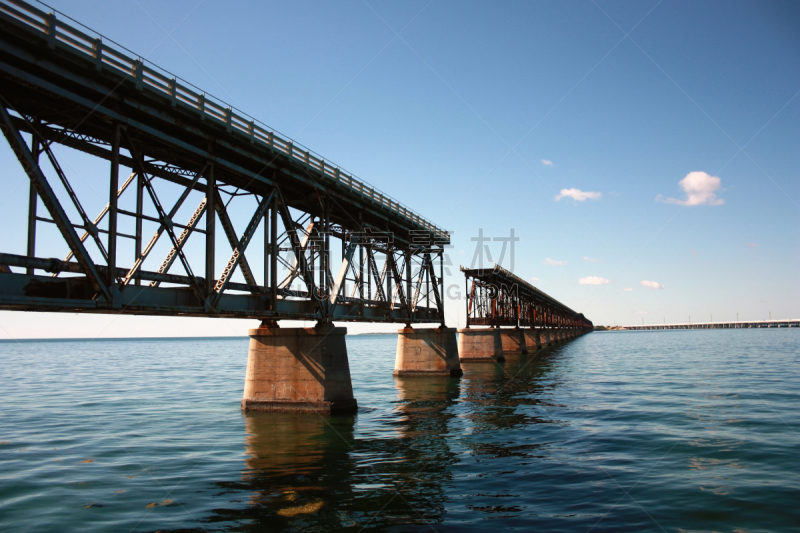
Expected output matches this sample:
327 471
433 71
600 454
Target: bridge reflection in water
297 472
509 395
311 473
404 466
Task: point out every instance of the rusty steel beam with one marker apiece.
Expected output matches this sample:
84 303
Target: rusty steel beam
500 298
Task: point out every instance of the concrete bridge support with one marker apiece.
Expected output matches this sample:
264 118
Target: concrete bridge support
480 345
544 337
298 370
427 352
513 341
532 339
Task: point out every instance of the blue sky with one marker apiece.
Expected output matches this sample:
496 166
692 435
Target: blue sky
479 115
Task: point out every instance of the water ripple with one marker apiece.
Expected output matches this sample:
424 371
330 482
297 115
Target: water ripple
618 431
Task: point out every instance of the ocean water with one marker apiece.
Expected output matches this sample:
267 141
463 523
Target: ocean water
614 431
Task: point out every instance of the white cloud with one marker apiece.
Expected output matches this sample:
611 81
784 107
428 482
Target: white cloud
553 262
593 280
533 279
579 195
547 162
651 284
640 312
590 259
628 289
700 189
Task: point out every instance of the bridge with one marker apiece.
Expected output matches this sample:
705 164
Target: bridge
496 298
745 324
329 247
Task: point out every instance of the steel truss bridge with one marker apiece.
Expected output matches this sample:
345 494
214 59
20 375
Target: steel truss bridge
182 168
496 297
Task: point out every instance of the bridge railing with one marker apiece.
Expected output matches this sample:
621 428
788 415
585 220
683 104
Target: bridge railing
148 75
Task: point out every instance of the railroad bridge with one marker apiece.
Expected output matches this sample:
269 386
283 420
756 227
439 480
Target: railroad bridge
329 247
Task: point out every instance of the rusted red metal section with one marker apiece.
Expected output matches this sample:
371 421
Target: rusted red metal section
497 297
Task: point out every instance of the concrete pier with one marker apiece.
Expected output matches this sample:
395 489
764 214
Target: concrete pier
427 352
532 339
298 370
513 341
476 345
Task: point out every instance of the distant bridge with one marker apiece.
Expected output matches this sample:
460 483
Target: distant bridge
794 323
521 318
497 297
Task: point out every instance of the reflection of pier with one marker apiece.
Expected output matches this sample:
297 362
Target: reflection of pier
745 324
298 467
510 395
311 473
425 405
283 445
424 401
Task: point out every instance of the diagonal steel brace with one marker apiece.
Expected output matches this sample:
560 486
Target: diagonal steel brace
238 251
51 202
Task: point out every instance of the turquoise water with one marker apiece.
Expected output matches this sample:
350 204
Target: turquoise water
613 431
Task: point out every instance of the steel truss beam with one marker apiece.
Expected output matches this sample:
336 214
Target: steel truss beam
390 281
51 202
